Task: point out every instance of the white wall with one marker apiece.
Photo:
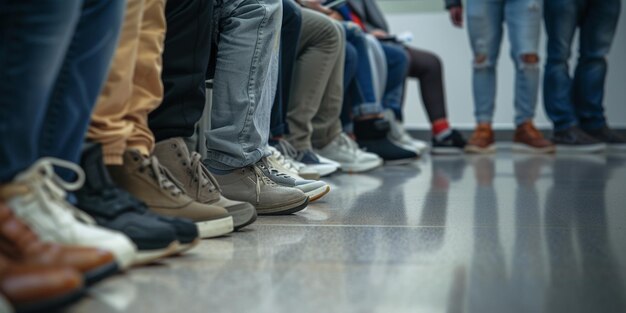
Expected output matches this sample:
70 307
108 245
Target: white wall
433 31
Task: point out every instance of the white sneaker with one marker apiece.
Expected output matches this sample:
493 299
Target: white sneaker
308 158
400 136
294 167
38 198
314 189
347 153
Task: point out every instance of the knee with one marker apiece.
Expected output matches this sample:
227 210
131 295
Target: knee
482 61
529 61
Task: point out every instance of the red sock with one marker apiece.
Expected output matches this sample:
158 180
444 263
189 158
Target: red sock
440 126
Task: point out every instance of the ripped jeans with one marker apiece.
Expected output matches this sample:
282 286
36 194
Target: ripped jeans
485 21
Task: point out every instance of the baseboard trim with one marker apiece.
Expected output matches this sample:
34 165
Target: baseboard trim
500 134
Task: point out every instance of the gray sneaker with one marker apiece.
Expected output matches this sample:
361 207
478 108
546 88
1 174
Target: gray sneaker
314 189
152 183
250 184
198 182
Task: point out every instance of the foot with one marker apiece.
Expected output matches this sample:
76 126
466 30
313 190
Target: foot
399 135
575 140
482 140
528 139
346 152
613 139
309 159
198 182
272 168
250 184
373 136
146 179
451 143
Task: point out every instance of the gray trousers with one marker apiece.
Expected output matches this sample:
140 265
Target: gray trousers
317 87
245 81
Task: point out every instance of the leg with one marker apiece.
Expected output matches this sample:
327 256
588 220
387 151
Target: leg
596 35
484 24
378 64
362 94
35 38
427 68
245 82
560 20
523 19
318 54
80 80
397 66
188 34
349 82
289 38
326 123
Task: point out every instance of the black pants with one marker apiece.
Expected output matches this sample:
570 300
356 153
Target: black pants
290 36
427 68
185 60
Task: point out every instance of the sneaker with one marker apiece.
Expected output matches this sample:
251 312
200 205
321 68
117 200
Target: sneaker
307 158
575 140
612 139
372 135
114 208
314 189
153 184
249 184
198 182
346 152
399 135
452 143
37 196
482 140
529 139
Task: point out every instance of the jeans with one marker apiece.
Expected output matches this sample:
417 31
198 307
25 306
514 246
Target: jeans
350 87
289 38
54 58
397 67
244 87
578 101
485 19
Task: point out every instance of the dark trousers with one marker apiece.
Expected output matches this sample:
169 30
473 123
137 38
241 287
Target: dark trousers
186 57
54 59
290 35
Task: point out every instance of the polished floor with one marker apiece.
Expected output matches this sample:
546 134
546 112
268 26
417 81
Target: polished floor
503 233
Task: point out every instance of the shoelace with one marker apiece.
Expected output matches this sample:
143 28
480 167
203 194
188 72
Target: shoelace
287 149
164 178
260 177
345 141
265 164
47 185
282 160
202 174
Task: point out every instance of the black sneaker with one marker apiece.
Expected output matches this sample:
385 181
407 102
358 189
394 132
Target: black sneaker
611 138
372 136
453 143
114 208
575 140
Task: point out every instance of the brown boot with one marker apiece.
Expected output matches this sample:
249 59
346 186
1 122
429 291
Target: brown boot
482 140
146 179
529 139
36 288
21 245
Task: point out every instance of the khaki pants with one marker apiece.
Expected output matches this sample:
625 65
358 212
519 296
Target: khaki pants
133 88
317 87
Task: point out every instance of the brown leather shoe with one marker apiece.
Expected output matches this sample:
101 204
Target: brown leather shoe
35 288
482 140
528 139
21 245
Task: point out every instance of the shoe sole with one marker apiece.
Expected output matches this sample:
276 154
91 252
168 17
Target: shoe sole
144 257
215 228
361 167
447 151
400 161
243 216
311 176
286 209
595 148
478 150
184 247
97 274
318 193
524 148
52 304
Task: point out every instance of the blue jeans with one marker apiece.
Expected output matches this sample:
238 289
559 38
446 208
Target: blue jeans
362 98
485 20
397 67
578 101
54 59
246 76
349 83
